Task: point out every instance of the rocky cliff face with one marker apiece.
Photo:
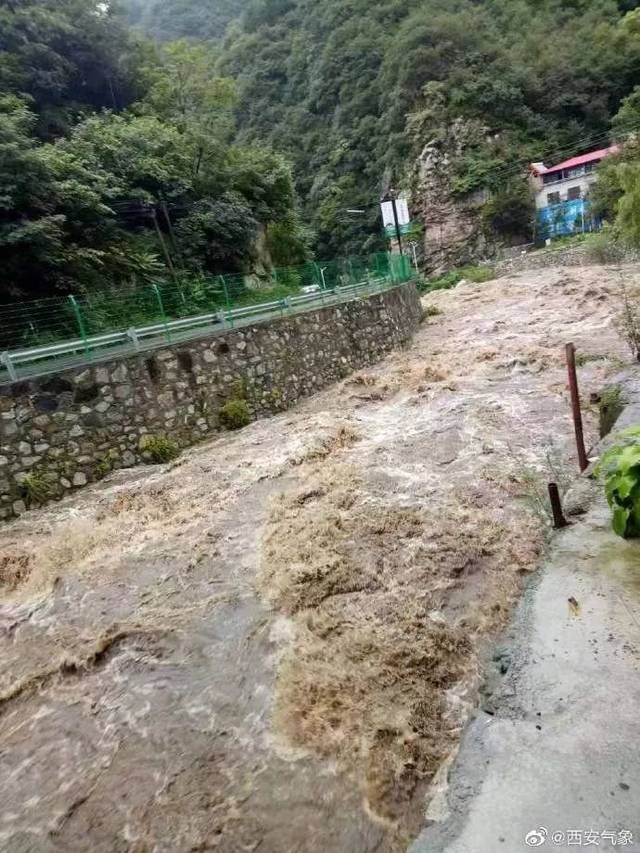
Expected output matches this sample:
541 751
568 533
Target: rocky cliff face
453 229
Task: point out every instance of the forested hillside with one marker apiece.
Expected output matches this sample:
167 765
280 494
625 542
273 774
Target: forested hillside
118 160
167 20
122 157
351 90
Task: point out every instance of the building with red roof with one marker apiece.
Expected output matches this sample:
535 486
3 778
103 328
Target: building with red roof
562 193
569 180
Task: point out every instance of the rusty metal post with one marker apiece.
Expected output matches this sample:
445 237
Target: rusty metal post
575 406
559 521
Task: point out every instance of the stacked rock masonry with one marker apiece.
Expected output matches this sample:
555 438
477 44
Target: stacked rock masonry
62 431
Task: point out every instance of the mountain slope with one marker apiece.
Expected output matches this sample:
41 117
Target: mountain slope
352 90
166 20
119 164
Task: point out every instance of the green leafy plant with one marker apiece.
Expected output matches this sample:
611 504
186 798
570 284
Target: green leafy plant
238 390
235 414
441 282
476 274
431 311
35 489
566 241
159 449
104 467
620 467
275 399
583 358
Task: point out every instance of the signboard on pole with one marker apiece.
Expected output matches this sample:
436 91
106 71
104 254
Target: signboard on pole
403 211
388 220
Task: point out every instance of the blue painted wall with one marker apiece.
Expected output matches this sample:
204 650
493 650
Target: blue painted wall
558 220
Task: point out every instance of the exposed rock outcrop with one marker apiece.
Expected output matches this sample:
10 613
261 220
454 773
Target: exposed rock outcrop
453 230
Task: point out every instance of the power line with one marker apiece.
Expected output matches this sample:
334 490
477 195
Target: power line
520 170
564 153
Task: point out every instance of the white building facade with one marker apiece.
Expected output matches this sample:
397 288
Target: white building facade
562 193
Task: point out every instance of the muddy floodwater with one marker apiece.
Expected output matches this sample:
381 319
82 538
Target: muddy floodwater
274 643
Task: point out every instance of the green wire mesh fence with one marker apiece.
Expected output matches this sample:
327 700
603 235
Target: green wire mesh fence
88 319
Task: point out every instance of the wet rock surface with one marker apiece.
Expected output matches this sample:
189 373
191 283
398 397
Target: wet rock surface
551 750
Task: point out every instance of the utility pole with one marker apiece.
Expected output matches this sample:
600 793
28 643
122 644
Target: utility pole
112 92
392 196
172 233
559 521
160 235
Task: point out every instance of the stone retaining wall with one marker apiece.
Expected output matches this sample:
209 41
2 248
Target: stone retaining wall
574 256
580 255
63 431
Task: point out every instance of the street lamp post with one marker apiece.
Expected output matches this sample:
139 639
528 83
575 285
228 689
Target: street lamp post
414 246
391 196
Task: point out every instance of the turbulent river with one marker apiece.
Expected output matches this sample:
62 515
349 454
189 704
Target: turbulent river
274 643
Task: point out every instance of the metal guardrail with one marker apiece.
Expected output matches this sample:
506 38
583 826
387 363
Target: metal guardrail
37 361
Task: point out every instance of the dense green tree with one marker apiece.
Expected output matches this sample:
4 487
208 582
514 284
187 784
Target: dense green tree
69 57
510 210
53 215
234 190
217 234
345 88
169 20
616 195
70 210
99 129
627 120
85 199
629 205
145 157
187 92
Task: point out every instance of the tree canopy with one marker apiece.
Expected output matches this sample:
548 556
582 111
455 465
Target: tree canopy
351 90
68 58
168 20
120 156
99 157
